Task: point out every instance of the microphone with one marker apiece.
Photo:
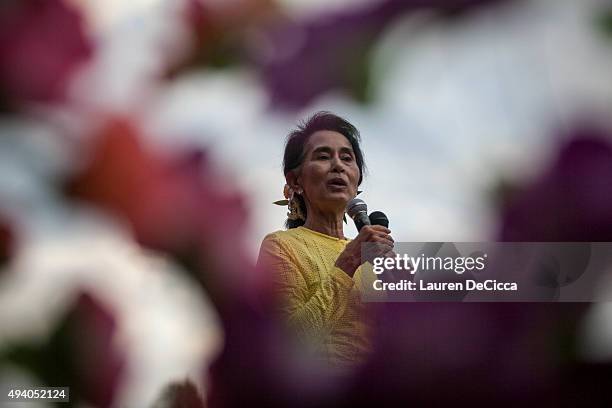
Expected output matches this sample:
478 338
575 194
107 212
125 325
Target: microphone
379 218
357 209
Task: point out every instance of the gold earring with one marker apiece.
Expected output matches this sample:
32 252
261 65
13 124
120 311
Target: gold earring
292 203
295 211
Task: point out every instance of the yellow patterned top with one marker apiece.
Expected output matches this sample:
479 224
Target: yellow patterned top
319 300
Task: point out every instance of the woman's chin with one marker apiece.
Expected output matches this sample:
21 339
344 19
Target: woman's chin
339 197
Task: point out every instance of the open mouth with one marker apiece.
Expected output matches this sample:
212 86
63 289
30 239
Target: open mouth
337 182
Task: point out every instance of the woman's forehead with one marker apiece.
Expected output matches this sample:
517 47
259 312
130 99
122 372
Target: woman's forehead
328 138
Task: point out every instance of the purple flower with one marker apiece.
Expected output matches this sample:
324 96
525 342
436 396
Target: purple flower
302 60
42 42
571 200
98 365
441 353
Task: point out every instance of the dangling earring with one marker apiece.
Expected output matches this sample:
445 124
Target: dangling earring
293 205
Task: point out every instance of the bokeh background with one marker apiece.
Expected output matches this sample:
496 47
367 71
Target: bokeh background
140 153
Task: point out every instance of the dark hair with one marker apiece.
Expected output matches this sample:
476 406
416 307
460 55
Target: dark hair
296 140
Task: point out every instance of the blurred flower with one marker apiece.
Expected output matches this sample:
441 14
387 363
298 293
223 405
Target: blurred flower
571 200
98 365
487 354
175 203
162 197
121 175
42 42
299 61
269 367
80 354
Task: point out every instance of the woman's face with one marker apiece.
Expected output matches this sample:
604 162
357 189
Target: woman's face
329 173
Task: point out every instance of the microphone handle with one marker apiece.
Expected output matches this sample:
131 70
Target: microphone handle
361 219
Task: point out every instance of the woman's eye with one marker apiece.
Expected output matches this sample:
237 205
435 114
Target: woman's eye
347 158
322 157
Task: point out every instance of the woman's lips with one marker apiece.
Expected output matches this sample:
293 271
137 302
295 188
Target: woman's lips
337 183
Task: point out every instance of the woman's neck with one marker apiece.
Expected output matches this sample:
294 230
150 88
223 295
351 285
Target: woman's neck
326 224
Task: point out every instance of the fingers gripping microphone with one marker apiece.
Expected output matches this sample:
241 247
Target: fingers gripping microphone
379 218
358 211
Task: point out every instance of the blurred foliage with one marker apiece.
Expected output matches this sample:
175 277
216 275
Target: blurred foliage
79 353
604 22
221 33
180 395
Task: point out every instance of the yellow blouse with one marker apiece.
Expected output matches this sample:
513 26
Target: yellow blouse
319 300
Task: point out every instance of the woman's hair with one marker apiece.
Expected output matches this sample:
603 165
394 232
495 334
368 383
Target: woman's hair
296 141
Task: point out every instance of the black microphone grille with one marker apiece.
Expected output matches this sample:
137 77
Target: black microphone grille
379 218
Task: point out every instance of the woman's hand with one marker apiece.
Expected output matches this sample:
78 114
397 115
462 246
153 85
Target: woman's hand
351 258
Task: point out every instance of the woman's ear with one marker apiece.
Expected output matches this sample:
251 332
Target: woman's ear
292 181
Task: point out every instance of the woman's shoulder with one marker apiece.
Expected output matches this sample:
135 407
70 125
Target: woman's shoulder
283 235
303 235
281 242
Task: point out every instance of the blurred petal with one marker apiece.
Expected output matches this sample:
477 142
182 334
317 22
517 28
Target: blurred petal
98 364
429 353
175 203
80 354
303 60
42 42
571 200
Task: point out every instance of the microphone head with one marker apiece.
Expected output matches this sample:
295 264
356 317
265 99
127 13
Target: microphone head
379 218
356 206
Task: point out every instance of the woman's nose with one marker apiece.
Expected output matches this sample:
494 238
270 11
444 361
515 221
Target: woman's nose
337 164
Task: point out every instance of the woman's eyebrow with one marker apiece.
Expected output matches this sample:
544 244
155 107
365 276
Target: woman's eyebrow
322 149
327 149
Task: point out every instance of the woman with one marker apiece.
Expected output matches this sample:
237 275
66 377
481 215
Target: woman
315 268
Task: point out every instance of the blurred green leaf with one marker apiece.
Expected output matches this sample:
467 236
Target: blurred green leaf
48 361
604 23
